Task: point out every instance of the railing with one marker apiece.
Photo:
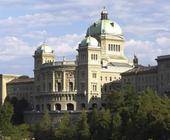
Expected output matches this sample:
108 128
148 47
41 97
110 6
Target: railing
60 63
57 93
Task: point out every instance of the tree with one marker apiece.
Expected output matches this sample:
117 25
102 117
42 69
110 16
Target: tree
104 125
65 129
6 111
93 122
83 132
114 101
9 131
19 107
43 130
142 116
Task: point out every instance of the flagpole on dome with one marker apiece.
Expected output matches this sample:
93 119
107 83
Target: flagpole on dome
44 39
89 34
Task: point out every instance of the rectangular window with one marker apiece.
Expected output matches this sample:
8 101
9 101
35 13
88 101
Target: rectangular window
94 87
49 87
91 56
94 75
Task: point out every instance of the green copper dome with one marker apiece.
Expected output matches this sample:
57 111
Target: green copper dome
104 26
89 41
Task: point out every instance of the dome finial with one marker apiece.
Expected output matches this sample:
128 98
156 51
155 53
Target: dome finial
89 32
104 14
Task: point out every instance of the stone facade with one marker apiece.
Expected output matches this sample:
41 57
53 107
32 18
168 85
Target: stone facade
163 74
4 79
153 77
55 81
21 88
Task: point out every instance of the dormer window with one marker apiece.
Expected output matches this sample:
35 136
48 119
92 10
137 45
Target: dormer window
112 24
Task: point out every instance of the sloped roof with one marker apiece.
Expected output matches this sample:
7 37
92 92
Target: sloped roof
140 70
22 79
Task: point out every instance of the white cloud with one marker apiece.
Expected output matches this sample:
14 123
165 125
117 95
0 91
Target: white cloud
35 35
163 41
13 47
147 51
33 21
65 45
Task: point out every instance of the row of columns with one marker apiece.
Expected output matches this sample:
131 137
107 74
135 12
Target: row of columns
65 85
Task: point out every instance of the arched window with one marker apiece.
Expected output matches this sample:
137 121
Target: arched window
70 106
49 107
94 105
59 86
103 105
37 107
57 107
42 107
83 106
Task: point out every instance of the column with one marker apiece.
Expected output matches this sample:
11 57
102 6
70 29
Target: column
53 82
63 82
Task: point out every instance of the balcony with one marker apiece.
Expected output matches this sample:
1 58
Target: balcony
57 93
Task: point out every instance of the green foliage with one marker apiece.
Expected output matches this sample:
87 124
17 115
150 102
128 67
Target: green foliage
83 132
93 120
45 123
100 124
142 116
65 129
43 130
130 116
6 112
104 124
19 107
9 131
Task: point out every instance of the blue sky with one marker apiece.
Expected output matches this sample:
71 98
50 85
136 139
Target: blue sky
24 25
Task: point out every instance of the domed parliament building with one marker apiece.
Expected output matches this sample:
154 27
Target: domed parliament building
74 85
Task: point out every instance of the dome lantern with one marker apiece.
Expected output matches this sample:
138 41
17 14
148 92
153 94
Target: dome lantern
44 48
104 14
104 26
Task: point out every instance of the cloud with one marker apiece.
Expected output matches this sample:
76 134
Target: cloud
146 51
163 41
13 47
36 35
25 24
65 45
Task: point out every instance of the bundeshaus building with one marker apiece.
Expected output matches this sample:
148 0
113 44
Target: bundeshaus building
83 83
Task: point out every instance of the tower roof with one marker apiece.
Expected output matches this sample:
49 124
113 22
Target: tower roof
44 48
89 41
104 26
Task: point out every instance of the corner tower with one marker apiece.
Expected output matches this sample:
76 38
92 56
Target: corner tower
43 54
88 73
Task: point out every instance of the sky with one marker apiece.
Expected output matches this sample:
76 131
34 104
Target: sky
62 24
